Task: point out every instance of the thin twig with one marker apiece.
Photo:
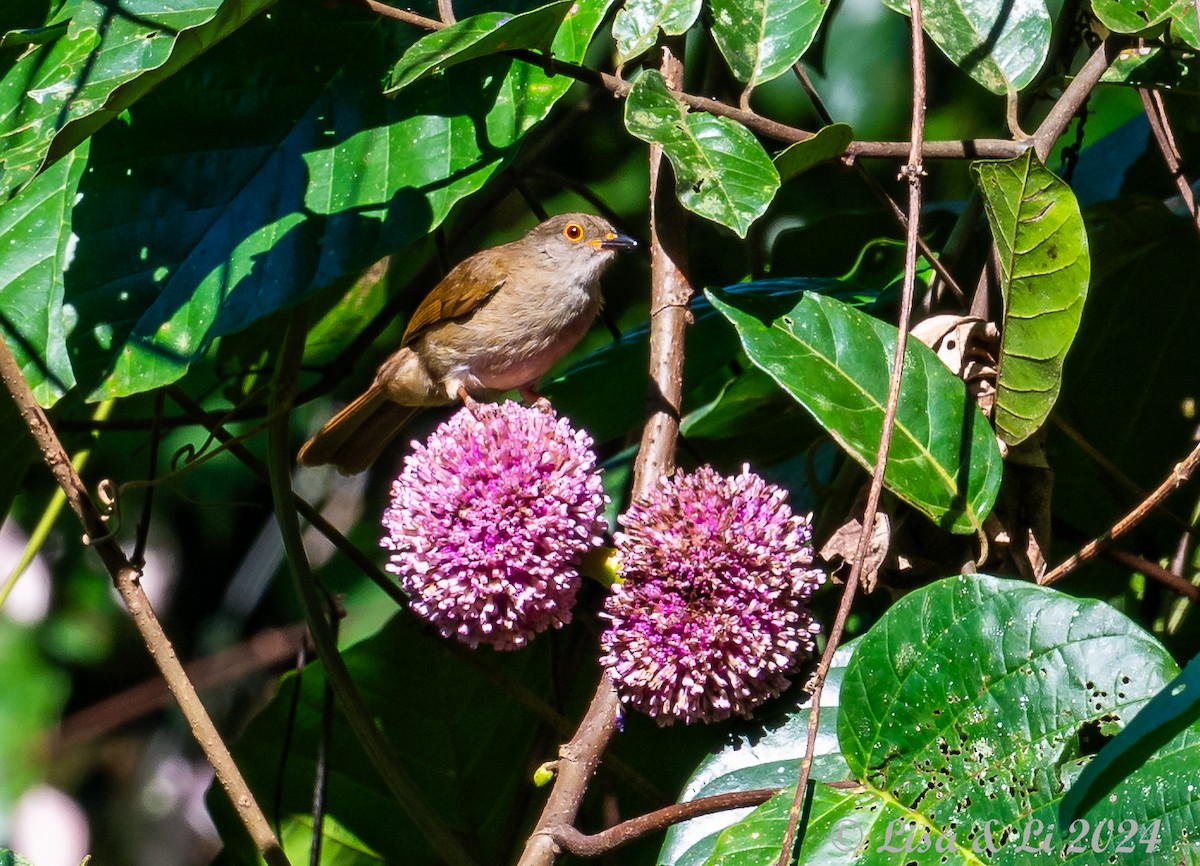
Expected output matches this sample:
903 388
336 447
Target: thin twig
1181 473
913 172
127 580
670 292
378 749
138 557
1156 113
365 564
875 187
446 12
582 845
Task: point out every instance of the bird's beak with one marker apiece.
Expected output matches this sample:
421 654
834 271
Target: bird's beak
615 242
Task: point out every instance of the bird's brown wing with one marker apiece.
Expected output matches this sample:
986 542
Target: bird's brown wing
460 293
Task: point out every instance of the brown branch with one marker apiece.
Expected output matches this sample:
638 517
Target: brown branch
582 845
981 148
1156 113
127 580
913 171
1172 581
669 295
1068 105
266 650
1181 473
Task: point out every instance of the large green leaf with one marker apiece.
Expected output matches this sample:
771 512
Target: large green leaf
761 39
636 25
278 179
1044 269
1174 708
1000 43
836 361
478 36
1122 16
108 56
721 171
972 705
36 227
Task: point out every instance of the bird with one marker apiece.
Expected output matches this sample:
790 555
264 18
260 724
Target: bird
496 322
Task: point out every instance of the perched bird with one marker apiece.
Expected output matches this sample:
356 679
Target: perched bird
497 321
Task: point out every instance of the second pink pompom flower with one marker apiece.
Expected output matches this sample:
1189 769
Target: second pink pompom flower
711 615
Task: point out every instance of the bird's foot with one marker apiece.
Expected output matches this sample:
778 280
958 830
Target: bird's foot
535 400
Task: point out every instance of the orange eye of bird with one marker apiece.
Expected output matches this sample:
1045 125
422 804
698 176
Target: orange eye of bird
573 232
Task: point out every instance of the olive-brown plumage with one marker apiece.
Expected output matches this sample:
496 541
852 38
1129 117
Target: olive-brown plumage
497 321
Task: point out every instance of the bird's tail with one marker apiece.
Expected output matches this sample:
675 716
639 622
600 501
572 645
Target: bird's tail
357 435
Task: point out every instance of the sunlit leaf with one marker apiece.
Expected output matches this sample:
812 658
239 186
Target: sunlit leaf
836 361
1122 16
36 230
721 171
637 25
1000 43
478 36
761 39
278 180
107 57
1044 269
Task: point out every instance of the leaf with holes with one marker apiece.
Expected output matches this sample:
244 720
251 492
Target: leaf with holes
1000 43
477 36
964 714
1044 270
722 173
761 39
636 26
836 362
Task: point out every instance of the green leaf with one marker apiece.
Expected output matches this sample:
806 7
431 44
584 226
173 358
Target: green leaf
108 57
828 143
1168 713
764 756
1044 269
1157 66
1184 27
636 25
761 39
272 186
836 362
1000 43
339 847
722 173
971 705
36 227
478 36
1122 16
